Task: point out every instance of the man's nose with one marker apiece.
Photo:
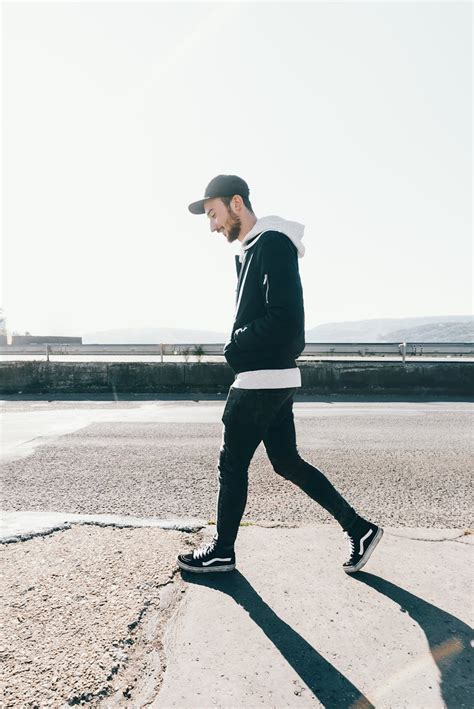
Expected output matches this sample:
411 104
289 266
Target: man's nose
213 226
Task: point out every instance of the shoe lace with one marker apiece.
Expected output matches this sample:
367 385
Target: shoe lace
351 541
204 550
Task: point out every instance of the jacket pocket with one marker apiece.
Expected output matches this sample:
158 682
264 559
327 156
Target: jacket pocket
231 354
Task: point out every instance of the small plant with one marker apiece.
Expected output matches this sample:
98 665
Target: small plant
186 352
198 352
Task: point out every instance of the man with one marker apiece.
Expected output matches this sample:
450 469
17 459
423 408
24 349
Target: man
267 336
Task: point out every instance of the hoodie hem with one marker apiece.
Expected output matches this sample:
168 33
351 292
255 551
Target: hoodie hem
268 379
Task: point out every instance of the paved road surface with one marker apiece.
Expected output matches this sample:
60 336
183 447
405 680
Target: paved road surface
402 463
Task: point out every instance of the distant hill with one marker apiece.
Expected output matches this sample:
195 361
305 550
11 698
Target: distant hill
389 329
153 336
434 332
454 328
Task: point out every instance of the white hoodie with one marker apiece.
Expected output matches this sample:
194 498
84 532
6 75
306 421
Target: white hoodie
293 230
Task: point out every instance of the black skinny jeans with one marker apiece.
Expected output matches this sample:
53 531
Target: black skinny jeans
251 416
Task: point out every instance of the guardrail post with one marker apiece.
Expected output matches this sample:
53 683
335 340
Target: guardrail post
47 353
403 350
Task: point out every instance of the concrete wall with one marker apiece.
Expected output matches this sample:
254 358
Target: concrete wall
447 378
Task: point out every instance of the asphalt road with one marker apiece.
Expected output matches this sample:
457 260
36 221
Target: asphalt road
400 463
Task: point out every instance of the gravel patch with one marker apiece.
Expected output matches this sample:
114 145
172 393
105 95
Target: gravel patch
84 614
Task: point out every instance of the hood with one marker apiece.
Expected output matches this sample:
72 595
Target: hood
293 230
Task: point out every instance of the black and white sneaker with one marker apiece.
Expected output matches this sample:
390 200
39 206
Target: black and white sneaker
363 537
208 558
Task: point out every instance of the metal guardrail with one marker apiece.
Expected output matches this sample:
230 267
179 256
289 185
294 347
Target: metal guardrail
329 349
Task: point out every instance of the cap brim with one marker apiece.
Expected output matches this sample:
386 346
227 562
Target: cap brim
197 207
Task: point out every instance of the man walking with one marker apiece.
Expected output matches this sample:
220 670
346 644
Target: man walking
267 336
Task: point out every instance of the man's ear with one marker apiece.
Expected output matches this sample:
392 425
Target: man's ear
237 203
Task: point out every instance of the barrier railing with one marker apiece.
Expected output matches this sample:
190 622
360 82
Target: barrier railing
319 349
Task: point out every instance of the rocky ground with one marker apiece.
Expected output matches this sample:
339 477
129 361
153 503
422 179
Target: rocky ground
83 614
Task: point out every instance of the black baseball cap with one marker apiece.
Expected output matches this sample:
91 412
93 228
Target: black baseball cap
221 186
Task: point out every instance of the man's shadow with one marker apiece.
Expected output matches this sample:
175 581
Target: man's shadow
331 687
448 637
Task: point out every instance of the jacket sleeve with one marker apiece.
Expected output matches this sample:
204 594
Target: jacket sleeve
281 289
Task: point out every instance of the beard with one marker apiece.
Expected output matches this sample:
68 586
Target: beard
234 226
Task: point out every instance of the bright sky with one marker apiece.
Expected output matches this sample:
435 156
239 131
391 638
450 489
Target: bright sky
353 118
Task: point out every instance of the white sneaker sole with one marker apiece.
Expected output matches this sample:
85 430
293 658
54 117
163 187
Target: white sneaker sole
205 569
368 553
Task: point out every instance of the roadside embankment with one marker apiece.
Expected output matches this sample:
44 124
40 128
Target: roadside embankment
326 377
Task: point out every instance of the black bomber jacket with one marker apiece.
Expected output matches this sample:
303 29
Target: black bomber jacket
268 330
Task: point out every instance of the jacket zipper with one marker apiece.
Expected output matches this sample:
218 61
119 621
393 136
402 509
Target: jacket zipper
266 283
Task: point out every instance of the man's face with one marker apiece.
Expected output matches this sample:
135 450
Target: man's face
222 219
